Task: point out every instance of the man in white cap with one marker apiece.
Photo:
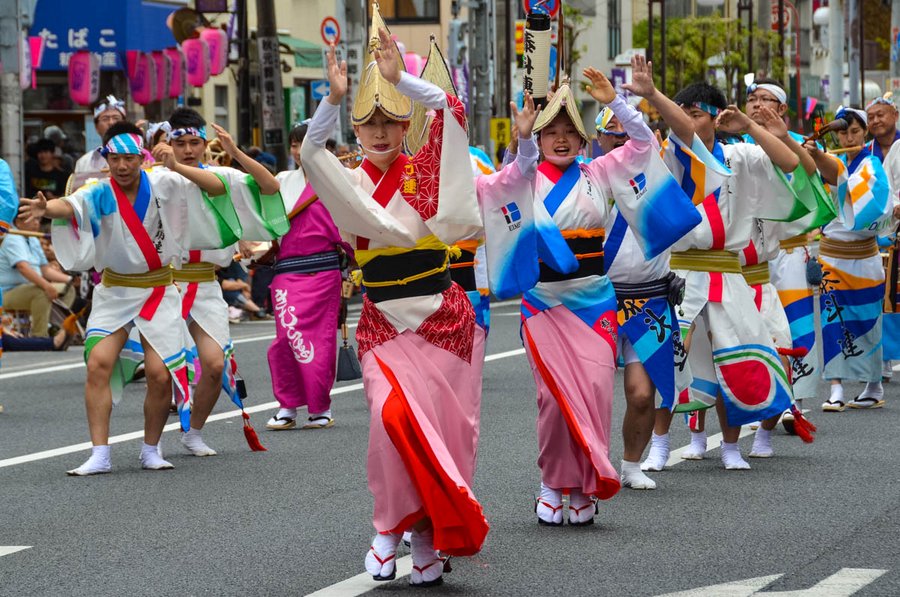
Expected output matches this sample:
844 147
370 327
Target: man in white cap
107 112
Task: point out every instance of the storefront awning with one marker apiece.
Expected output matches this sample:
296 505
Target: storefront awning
106 27
306 53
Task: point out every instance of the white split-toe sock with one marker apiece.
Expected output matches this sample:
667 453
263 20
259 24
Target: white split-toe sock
381 559
549 506
582 508
659 453
762 444
634 477
872 393
193 441
835 402
151 459
428 567
697 448
98 464
732 459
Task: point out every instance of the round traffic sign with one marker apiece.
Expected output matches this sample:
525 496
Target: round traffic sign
331 31
550 7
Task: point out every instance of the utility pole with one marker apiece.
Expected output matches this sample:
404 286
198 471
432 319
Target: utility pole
12 22
271 92
895 50
835 54
481 71
853 53
245 127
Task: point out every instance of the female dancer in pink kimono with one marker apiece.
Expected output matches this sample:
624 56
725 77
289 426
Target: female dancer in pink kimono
417 333
549 244
306 294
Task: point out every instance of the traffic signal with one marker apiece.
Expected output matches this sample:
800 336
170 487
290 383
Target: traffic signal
457 48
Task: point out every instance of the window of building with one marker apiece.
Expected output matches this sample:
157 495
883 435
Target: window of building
417 11
614 28
221 103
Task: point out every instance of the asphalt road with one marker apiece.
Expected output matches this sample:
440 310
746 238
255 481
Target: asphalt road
296 519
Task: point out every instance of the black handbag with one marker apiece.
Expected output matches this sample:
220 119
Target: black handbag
347 365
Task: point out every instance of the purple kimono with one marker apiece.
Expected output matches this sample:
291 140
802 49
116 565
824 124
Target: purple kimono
306 295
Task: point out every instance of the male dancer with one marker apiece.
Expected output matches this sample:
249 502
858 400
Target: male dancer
202 305
882 118
718 313
416 331
776 274
107 112
132 227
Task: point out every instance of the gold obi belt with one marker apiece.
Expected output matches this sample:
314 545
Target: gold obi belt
153 279
756 275
852 249
700 260
795 242
196 273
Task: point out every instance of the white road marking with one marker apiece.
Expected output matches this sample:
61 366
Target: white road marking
5 550
80 363
844 583
738 588
125 437
361 583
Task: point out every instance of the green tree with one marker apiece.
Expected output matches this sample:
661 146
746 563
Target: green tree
694 43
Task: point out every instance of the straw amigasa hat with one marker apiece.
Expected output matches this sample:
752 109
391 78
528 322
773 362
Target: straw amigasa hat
374 90
435 71
563 99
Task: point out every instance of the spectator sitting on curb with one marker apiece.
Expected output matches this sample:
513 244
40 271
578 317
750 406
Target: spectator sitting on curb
28 282
236 291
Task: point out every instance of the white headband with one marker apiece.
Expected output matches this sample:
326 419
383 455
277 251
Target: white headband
775 90
861 113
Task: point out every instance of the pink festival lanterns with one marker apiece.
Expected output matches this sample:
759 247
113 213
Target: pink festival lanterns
163 74
176 82
217 41
196 52
143 79
84 77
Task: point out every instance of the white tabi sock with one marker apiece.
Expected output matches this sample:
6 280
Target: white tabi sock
98 463
581 508
697 449
762 444
427 565
873 389
151 459
837 393
193 441
634 477
732 459
549 506
326 413
381 560
287 413
659 453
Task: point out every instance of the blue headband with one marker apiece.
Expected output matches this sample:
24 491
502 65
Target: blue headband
126 143
708 108
188 130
